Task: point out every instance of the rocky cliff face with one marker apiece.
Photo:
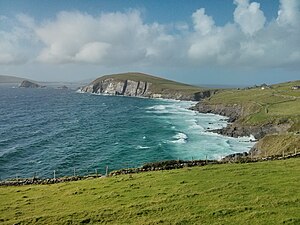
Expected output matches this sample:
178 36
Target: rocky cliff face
111 86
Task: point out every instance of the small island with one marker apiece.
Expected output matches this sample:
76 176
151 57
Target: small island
29 84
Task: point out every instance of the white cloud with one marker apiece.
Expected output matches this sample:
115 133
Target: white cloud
111 38
92 52
289 13
249 16
117 39
202 23
11 51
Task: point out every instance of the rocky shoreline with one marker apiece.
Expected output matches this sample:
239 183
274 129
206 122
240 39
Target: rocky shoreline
235 128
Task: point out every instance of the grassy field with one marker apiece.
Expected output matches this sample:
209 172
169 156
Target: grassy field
257 193
159 85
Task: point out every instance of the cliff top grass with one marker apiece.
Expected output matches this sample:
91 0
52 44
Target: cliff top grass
256 193
273 104
159 84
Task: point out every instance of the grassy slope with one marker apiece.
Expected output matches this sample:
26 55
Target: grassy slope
277 105
258 193
159 84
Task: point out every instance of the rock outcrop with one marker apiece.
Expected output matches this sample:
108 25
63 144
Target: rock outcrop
238 130
29 84
231 111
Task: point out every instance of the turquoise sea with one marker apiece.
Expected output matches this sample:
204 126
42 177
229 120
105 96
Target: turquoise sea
42 130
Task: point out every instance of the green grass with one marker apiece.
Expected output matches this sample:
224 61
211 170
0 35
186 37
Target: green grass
263 106
257 193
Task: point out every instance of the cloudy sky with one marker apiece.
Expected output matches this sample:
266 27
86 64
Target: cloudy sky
235 42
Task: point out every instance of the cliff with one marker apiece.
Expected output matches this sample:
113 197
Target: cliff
143 85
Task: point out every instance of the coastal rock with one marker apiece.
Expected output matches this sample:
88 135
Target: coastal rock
29 84
237 130
231 111
204 94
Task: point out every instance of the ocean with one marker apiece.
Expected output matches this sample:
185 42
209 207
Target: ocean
42 130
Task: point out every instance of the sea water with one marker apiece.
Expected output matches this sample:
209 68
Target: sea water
42 130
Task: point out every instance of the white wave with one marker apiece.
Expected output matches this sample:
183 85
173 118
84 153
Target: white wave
80 91
195 131
180 138
250 138
157 107
142 147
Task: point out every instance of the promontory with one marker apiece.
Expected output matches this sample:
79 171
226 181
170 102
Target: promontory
144 85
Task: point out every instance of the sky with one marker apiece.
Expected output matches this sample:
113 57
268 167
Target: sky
225 42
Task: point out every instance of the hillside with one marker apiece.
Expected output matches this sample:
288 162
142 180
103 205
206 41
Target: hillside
10 79
256 193
271 113
143 85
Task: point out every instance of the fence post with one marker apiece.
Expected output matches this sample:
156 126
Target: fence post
54 174
106 172
74 172
206 159
283 153
96 171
